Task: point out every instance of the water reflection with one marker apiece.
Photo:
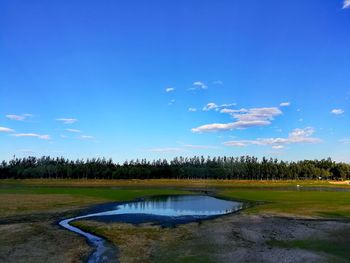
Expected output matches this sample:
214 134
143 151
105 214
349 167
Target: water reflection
176 206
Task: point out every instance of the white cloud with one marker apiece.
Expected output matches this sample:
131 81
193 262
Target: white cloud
241 143
296 136
285 104
15 117
257 114
171 102
73 130
245 118
230 126
166 149
337 111
192 109
5 129
214 106
306 132
169 89
346 4
227 110
35 135
210 106
67 120
198 85
227 105
278 147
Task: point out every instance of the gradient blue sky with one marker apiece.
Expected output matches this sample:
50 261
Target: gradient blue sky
134 79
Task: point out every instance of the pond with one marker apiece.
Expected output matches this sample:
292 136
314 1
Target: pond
164 210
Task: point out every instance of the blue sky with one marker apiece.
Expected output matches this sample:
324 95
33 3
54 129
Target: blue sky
135 79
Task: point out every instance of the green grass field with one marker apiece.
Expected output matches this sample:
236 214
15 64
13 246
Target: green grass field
274 198
295 203
280 198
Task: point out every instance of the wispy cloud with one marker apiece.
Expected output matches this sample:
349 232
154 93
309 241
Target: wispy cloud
245 118
73 130
171 102
199 147
256 114
210 106
67 120
166 149
214 106
169 89
296 136
25 151
15 117
198 85
5 129
337 111
345 141
35 135
346 4
192 109
278 147
214 127
285 104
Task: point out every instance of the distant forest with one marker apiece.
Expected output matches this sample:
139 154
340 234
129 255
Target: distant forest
198 167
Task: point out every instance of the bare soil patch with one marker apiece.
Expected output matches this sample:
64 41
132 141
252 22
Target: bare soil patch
231 238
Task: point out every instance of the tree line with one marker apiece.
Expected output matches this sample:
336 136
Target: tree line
197 167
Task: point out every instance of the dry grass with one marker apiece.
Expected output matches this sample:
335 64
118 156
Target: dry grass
169 183
21 204
138 243
39 243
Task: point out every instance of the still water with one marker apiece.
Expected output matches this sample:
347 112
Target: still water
180 208
182 205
